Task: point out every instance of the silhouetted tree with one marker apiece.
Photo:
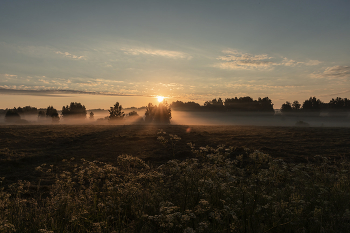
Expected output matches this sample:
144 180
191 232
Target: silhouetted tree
339 106
52 112
158 114
296 105
91 115
189 106
41 114
286 107
149 114
133 114
312 105
115 112
74 109
265 105
12 115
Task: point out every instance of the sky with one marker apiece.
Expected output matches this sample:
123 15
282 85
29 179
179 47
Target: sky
98 52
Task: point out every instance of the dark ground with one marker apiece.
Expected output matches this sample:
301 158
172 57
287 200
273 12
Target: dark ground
22 148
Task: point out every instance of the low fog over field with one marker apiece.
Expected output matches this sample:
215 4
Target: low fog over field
197 118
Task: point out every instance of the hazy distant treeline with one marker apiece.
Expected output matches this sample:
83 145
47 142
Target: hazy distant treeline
162 112
335 107
312 106
242 104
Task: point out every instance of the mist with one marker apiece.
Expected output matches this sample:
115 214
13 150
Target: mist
192 118
256 119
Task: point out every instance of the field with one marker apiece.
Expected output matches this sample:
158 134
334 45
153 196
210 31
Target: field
322 154
25 147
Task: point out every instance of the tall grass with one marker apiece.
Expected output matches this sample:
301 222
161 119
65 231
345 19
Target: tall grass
222 189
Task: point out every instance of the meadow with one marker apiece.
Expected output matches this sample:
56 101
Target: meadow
173 178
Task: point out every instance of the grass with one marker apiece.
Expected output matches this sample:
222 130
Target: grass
214 189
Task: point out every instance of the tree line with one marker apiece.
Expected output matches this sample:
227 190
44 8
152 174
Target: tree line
241 104
160 113
335 107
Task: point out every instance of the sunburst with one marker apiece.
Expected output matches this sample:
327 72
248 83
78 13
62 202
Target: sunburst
160 98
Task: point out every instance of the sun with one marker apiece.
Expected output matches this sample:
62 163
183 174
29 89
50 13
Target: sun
160 98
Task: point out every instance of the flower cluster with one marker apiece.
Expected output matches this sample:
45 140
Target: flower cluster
222 189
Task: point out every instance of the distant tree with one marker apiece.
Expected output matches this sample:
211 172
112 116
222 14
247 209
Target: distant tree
12 115
52 112
133 114
115 112
91 115
312 105
158 114
149 114
296 105
265 105
339 106
286 107
179 105
29 110
41 114
74 109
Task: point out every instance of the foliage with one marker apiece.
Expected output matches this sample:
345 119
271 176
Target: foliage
115 112
218 191
248 104
51 112
179 105
13 114
286 107
74 109
168 141
312 104
91 115
27 110
41 114
133 114
158 114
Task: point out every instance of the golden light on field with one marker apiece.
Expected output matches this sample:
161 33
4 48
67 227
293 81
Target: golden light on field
160 98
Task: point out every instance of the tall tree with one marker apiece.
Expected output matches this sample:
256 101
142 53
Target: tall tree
115 112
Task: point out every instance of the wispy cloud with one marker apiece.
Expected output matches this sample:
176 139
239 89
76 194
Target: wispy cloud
289 62
313 63
69 55
156 52
23 90
334 72
337 71
235 60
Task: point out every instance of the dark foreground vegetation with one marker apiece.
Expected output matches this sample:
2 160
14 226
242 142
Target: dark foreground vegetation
155 178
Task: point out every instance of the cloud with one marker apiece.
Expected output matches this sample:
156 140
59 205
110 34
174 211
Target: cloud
334 72
337 71
313 63
23 90
290 62
235 60
156 52
66 54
